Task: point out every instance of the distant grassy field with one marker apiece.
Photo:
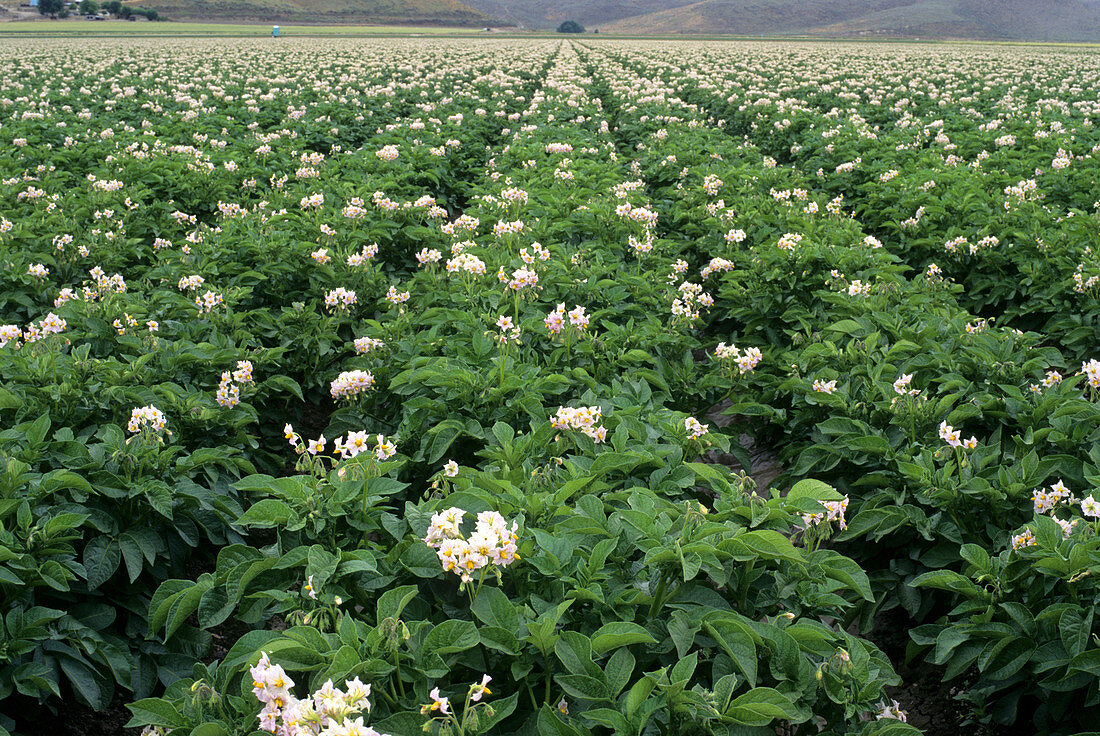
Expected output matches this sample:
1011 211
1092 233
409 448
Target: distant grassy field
83 27
120 29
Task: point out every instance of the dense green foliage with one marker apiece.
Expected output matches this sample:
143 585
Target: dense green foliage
539 294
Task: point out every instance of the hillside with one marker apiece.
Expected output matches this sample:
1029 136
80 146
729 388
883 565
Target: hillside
548 14
1052 20
413 12
1046 20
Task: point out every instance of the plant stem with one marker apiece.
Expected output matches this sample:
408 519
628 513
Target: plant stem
397 665
658 596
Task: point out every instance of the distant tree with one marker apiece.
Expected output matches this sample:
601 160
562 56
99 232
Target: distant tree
114 7
125 11
51 7
88 7
152 15
570 26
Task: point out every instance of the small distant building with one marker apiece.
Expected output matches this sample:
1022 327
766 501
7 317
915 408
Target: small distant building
33 3
274 31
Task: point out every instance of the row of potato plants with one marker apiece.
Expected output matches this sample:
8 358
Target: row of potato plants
980 524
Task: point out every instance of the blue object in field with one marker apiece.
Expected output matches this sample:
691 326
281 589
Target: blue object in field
34 3
274 30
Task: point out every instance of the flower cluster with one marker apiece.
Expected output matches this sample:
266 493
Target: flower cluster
745 361
493 542
537 251
953 437
351 383
508 330
834 511
695 428
1091 370
340 298
735 236
190 283
584 418
365 254
393 296
789 241
229 393
364 345
522 278
466 263
1052 378
209 301
555 320
440 708
893 710
691 301
327 712
901 386
146 417
347 447
716 265
1046 500
427 256
503 228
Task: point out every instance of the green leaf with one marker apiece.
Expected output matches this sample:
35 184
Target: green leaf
393 602
543 631
737 640
814 490
760 706
499 639
54 575
209 729
268 512
768 544
214 607
248 647
951 581
619 634
159 496
451 636
85 682
493 608
846 326
618 671
284 383
846 571
154 712
102 556
583 687
638 694
550 723
501 710
503 433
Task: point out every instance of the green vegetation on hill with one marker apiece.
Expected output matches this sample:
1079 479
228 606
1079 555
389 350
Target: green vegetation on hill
444 12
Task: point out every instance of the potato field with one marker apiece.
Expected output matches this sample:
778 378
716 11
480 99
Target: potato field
406 386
